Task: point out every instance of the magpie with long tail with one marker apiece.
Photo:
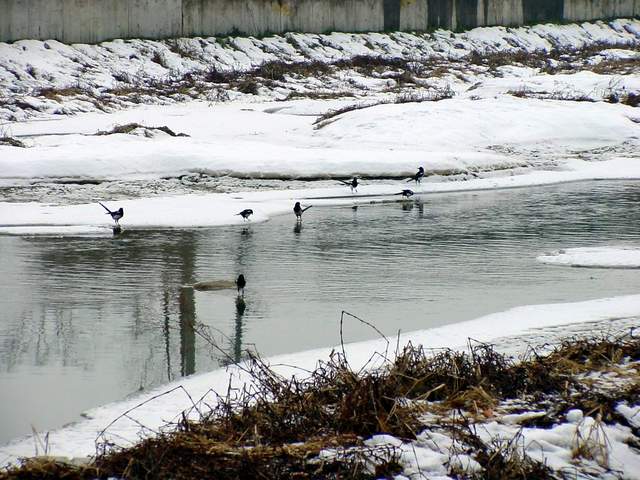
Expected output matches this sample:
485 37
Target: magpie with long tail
116 214
406 193
298 210
353 184
418 176
246 213
240 283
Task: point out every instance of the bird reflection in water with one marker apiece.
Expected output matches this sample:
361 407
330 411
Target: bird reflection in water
407 206
237 338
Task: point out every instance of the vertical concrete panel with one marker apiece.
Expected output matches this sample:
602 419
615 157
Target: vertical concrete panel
480 11
155 18
391 9
18 20
413 15
86 21
309 16
192 18
440 13
504 12
45 19
6 8
466 13
536 11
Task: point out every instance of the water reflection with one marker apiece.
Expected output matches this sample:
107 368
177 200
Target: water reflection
241 306
84 321
187 332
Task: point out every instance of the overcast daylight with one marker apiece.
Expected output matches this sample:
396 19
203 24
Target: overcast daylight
319 239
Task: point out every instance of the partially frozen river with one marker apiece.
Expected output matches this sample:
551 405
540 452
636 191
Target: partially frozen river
85 321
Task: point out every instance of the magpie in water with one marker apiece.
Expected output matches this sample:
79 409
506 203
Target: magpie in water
353 184
240 283
406 193
116 215
298 210
418 176
246 213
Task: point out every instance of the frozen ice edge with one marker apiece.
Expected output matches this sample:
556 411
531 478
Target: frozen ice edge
210 210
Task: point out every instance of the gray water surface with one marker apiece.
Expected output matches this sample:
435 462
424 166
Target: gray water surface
85 321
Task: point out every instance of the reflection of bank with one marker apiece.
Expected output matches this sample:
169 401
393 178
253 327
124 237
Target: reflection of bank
187 331
237 337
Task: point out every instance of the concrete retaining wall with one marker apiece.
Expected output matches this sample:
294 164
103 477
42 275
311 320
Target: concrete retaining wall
90 21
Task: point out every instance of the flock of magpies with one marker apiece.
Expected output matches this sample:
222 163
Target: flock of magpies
353 184
298 210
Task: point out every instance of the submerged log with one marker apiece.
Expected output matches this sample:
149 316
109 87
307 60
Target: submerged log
215 285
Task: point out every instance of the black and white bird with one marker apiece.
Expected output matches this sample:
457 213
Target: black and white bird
353 184
418 176
406 193
116 215
298 210
240 283
246 213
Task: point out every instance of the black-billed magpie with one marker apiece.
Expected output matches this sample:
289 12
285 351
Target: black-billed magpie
406 193
418 176
246 213
240 283
298 210
353 184
116 215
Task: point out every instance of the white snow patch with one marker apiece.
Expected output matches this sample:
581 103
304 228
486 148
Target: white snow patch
594 257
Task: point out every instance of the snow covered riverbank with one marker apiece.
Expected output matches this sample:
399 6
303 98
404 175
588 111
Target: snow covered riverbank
475 118
512 331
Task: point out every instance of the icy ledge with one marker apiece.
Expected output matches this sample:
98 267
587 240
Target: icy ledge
594 257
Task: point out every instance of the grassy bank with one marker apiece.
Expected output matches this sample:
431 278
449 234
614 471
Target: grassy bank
329 424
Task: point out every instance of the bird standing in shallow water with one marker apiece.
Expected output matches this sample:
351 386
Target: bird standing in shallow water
418 176
116 215
240 283
406 193
298 210
353 184
246 213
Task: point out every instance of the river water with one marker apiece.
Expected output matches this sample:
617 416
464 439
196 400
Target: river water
85 321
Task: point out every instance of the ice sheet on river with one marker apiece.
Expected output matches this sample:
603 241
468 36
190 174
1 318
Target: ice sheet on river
207 210
595 257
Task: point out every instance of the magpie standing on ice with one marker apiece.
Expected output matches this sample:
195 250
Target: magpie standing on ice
116 215
353 184
406 193
240 283
298 210
418 176
246 213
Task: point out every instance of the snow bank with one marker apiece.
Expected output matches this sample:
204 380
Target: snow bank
28 67
207 210
163 404
594 257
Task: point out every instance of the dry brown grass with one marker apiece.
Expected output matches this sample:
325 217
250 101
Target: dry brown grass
277 426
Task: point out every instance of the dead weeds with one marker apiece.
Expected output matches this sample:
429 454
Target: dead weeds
314 427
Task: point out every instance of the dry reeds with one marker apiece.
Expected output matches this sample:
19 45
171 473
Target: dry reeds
315 427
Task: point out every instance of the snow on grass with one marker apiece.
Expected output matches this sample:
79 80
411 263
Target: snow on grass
48 76
594 257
